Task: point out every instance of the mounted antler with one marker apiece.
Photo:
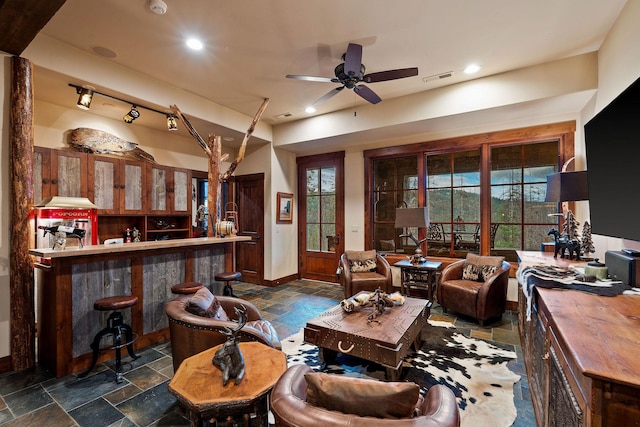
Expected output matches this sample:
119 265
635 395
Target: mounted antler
229 358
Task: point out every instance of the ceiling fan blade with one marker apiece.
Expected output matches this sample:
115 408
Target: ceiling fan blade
328 95
353 59
390 75
367 94
311 78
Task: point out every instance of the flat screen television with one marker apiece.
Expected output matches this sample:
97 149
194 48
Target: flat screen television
612 143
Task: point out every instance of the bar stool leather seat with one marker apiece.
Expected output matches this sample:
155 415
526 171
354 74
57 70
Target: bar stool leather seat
186 288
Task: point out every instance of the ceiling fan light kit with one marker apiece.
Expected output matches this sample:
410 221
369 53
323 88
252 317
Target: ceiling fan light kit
351 73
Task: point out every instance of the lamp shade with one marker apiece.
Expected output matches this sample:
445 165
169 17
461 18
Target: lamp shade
567 187
412 217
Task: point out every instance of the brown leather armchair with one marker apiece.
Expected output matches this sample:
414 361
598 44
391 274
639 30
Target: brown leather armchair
192 334
481 300
354 282
290 408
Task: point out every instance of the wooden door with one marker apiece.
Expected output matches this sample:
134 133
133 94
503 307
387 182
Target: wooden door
180 194
320 215
158 185
104 183
68 174
250 201
41 174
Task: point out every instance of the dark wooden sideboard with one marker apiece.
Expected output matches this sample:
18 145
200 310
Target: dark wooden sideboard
581 354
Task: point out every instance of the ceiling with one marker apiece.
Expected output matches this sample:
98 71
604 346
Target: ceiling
251 46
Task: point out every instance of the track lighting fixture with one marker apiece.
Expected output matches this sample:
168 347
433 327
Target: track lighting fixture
85 96
86 93
172 123
131 115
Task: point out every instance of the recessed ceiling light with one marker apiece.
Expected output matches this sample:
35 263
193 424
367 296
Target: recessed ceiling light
471 69
228 138
194 44
310 110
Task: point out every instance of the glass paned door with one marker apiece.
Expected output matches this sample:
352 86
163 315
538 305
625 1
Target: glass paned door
322 217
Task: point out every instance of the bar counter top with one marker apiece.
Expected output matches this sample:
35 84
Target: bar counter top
76 251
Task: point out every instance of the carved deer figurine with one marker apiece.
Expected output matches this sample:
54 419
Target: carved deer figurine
229 358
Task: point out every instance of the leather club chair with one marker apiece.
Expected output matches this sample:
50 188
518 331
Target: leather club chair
482 300
290 408
354 282
192 334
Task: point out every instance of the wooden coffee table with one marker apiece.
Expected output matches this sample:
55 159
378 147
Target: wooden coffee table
197 384
385 341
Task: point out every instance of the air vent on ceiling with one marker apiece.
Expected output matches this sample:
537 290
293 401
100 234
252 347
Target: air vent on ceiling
283 116
437 77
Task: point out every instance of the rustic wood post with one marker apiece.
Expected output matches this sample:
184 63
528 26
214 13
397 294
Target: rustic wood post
21 194
213 150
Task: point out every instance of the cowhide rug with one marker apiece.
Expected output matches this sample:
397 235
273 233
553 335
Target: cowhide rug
474 369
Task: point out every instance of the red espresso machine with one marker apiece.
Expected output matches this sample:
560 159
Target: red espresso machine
65 222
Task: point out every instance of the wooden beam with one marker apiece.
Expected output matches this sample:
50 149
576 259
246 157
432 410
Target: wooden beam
22 20
21 193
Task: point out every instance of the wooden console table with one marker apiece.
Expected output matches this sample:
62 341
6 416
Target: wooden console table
71 280
580 352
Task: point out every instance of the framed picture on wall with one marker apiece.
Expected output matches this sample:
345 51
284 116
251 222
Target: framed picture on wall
285 208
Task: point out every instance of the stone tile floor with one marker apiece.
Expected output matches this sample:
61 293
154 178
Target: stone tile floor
36 398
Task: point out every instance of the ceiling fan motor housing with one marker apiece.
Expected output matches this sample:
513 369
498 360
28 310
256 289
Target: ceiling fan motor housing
347 80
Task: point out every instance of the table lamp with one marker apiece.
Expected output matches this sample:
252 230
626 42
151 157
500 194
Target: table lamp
413 217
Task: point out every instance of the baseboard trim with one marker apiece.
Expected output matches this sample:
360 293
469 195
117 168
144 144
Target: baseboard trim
512 305
280 281
5 364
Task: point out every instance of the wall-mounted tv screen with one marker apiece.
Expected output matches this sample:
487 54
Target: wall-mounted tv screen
612 142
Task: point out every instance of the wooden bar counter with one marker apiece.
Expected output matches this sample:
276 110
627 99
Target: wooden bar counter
69 281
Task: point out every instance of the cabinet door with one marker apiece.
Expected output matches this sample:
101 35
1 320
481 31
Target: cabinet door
41 174
104 183
180 193
68 174
539 364
564 409
132 187
158 179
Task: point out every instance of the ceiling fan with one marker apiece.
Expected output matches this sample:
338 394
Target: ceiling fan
351 73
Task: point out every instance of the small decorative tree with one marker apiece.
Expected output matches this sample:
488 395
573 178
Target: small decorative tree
570 226
587 244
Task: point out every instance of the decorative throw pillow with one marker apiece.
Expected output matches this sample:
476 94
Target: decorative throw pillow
485 260
366 265
203 303
471 272
360 261
362 397
487 271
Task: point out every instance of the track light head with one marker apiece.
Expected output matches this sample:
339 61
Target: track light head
85 95
172 123
131 115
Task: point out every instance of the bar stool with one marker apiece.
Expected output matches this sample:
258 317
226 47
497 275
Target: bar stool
228 277
115 327
186 288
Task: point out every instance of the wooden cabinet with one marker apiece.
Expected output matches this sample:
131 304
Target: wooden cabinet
169 190
117 186
59 173
579 352
160 227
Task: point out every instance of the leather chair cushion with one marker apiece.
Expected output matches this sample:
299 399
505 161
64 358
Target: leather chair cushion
362 397
204 304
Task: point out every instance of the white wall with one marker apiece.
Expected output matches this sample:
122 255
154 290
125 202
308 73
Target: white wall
618 67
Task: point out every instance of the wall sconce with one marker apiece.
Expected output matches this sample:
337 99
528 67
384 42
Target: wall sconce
172 123
413 217
131 115
85 96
